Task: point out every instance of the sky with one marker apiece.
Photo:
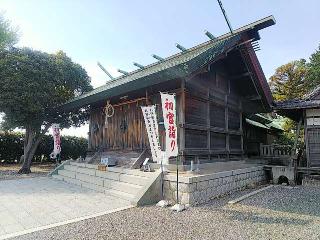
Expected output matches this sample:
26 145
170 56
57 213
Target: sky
118 32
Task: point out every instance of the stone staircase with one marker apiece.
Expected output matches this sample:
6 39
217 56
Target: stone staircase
129 184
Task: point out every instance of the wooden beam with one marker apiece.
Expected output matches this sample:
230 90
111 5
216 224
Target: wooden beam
180 47
105 71
209 35
138 65
241 75
253 98
123 72
157 57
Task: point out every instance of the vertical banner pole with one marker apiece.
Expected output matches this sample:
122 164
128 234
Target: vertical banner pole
162 196
168 103
177 179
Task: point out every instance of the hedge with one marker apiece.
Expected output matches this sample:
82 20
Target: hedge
11 147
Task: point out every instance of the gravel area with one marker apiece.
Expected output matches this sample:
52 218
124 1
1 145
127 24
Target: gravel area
10 171
278 213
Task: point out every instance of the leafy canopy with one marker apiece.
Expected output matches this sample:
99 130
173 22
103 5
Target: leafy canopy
313 75
288 82
8 34
296 78
293 81
34 84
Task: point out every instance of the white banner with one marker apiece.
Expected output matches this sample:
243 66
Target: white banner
150 119
56 140
169 117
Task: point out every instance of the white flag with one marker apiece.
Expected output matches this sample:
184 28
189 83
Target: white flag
56 140
169 117
150 119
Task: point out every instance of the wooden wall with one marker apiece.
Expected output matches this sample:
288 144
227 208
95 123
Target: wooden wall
213 117
209 117
125 130
253 137
312 136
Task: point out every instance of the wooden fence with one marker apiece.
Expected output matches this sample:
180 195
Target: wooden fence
275 150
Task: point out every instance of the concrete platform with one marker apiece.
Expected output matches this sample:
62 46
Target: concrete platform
221 179
28 205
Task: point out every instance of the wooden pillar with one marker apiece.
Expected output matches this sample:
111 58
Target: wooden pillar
226 116
296 137
241 129
293 154
147 98
306 139
208 124
89 133
182 119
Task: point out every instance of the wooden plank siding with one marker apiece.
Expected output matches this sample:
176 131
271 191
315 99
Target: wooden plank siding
312 137
208 120
213 124
125 130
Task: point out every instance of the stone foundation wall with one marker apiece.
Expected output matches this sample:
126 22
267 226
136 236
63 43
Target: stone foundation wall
195 190
310 182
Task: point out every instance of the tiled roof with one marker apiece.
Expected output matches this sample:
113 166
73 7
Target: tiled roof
264 122
296 104
315 92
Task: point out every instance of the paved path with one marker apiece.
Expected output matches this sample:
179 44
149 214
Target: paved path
279 213
33 204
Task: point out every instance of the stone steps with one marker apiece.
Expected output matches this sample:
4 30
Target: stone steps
119 194
127 184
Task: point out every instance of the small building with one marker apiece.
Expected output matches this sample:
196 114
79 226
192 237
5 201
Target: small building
306 112
260 130
218 85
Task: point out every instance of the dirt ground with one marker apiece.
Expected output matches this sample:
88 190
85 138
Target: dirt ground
10 171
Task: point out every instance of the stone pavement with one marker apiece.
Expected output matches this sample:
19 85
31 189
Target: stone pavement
28 205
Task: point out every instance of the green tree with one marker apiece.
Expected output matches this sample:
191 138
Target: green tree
33 86
289 81
313 74
8 34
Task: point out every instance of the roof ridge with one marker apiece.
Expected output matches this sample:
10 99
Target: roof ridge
217 39
181 57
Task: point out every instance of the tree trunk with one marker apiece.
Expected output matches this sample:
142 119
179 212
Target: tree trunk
31 143
26 165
